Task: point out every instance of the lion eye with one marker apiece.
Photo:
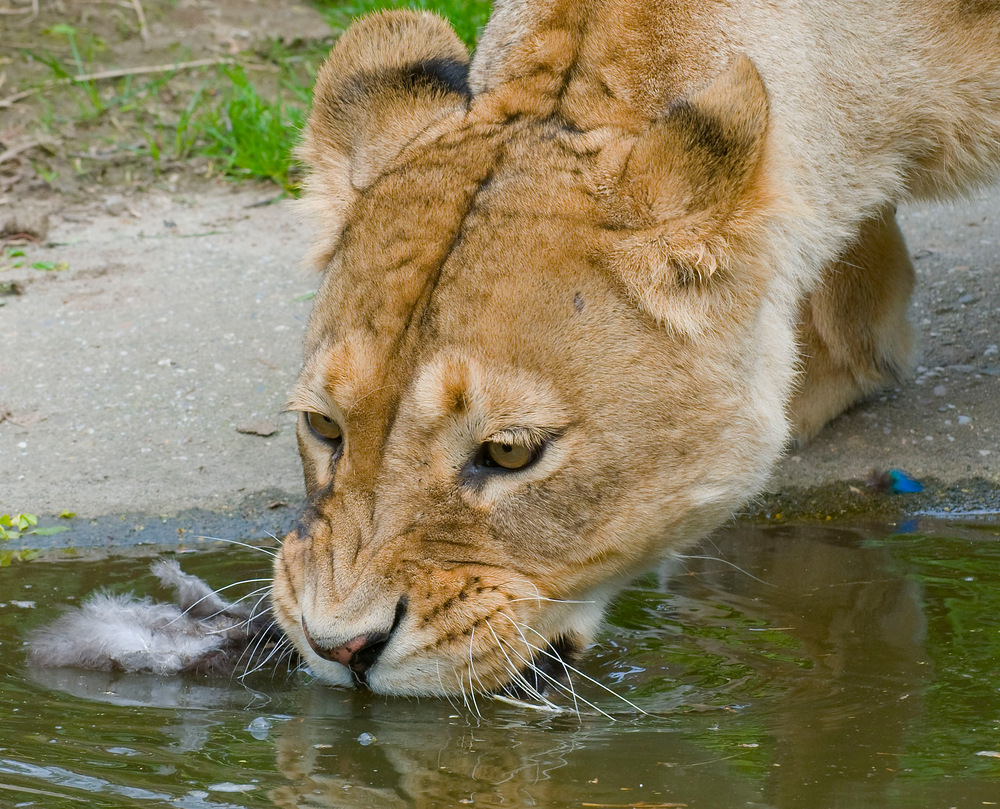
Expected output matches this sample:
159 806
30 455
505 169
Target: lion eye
510 456
323 427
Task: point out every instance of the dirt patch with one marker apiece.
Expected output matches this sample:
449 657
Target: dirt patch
103 95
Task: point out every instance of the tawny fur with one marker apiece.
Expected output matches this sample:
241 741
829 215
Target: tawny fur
658 238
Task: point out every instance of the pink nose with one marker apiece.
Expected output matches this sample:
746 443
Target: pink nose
347 654
358 654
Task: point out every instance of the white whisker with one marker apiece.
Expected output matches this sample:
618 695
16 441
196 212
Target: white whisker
552 680
586 677
274 655
447 694
265 551
225 606
547 707
252 651
725 562
550 600
519 678
280 651
251 616
472 671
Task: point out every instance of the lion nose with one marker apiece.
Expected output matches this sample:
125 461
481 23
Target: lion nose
358 654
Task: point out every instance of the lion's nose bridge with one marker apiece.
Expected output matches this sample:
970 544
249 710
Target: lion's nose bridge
350 573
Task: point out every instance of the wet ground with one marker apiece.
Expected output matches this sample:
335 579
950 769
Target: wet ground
777 667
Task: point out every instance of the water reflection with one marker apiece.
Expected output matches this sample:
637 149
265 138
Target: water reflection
826 722
781 667
839 725
503 759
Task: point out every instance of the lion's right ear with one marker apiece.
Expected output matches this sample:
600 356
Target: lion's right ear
388 79
692 197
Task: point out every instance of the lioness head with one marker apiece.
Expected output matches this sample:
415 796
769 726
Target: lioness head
540 356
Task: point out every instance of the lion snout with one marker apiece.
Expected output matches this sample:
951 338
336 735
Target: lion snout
361 652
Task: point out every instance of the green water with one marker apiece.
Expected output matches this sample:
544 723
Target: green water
813 668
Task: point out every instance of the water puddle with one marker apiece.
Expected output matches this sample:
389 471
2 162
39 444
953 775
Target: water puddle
779 667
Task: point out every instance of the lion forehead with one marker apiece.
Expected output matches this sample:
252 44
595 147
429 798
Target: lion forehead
339 372
455 382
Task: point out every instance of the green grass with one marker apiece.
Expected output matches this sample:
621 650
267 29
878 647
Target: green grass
239 120
89 89
247 135
468 17
214 115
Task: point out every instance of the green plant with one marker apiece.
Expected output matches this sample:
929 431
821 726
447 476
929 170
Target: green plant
88 86
7 558
14 526
18 525
249 135
186 135
11 258
467 16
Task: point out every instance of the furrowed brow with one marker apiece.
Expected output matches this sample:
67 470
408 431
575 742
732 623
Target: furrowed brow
336 375
304 398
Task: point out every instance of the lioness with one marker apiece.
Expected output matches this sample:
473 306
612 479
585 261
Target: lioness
578 293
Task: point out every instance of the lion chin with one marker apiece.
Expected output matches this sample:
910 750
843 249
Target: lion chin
578 294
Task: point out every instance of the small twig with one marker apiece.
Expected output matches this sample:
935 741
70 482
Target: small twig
33 11
13 99
138 71
14 151
143 30
114 74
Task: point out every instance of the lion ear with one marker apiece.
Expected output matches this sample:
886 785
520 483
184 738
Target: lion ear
688 194
389 77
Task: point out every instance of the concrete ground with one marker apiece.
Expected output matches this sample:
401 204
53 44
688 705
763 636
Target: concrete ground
942 424
142 381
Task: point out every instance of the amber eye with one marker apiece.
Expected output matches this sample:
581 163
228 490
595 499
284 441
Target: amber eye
325 428
510 456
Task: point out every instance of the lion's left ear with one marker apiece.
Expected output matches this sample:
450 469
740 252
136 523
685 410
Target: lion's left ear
687 196
388 79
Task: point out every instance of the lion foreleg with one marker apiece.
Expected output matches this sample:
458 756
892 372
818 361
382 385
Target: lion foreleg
853 333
